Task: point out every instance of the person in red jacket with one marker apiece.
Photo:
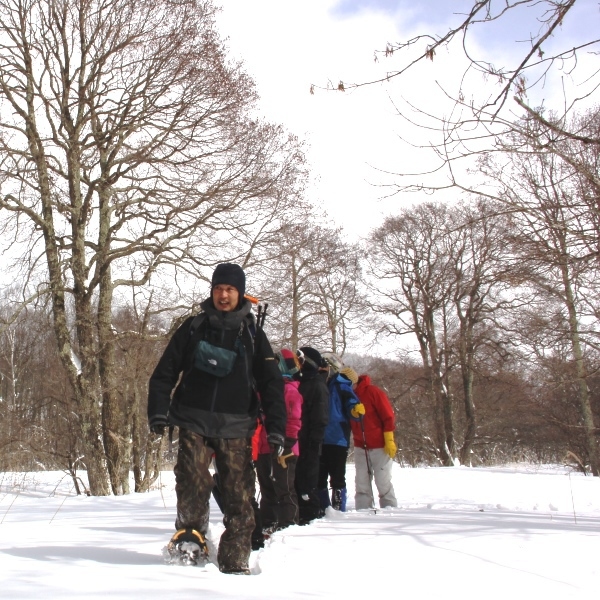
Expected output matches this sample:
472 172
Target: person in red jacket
374 446
276 475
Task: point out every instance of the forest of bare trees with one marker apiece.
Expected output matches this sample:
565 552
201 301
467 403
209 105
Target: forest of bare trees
129 152
131 162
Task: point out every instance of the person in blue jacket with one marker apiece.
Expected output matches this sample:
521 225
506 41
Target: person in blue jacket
343 405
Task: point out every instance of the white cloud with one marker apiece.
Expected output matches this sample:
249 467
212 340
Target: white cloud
355 136
287 47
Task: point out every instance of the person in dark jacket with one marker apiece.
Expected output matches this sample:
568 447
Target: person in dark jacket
315 414
212 361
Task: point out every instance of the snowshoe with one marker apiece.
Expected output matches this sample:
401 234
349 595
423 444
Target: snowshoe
186 547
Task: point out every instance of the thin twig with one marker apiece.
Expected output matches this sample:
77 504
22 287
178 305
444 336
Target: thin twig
8 509
572 499
161 490
61 505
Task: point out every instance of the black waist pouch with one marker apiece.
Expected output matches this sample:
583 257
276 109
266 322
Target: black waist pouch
214 360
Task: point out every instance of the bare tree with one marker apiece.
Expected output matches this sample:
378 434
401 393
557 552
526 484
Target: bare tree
127 154
485 276
140 343
548 63
555 225
442 273
311 279
339 293
411 275
41 428
546 18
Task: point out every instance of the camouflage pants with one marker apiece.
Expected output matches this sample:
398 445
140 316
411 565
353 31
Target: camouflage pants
194 483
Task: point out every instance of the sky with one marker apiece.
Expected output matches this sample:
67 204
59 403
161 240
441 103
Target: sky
501 533
357 141
287 47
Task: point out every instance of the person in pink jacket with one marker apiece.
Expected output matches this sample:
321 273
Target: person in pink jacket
279 502
374 446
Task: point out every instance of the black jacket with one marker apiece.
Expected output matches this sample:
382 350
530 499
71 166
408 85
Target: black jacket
219 407
315 410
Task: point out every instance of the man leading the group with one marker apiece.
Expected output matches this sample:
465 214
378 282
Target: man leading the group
214 361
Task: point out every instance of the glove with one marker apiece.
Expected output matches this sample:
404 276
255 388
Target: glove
358 410
390 445
158 424
287 451
276 441
281 459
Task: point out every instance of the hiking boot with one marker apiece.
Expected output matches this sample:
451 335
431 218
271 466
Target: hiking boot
338 499
258 542
186 547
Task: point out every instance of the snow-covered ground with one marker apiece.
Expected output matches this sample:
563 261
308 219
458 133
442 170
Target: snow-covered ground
511 533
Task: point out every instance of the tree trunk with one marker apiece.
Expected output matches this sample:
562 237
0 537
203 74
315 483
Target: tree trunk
444 421
587 417
114 424
465 351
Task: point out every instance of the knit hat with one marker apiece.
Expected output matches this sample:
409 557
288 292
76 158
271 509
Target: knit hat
350 374
230 274
289 364
313 361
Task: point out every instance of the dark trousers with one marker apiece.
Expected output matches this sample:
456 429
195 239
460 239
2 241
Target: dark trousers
257 534
194 484
307 476
332 466
278 499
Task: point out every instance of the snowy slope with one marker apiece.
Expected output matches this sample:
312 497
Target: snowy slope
457 533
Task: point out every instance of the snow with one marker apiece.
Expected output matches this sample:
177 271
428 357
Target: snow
510 533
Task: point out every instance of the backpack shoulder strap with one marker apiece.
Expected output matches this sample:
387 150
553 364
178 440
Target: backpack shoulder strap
196 322
251 324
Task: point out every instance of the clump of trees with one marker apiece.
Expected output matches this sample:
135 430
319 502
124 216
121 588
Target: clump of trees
508 278
131 162
130 155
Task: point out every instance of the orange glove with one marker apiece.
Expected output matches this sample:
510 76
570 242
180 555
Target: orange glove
358 410
390 445
281 459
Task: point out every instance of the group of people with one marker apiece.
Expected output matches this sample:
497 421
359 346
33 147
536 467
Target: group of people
248 413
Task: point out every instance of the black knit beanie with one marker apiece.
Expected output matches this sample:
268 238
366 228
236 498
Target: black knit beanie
230 274
313 361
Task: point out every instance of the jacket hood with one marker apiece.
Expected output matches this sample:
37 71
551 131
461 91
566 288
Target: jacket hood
363 380
227 320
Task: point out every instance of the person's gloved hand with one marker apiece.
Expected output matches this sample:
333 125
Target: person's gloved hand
390 445
158 424
358 410
287 451
276 442
283 458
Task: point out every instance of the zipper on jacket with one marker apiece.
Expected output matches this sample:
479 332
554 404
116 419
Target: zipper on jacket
213 400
